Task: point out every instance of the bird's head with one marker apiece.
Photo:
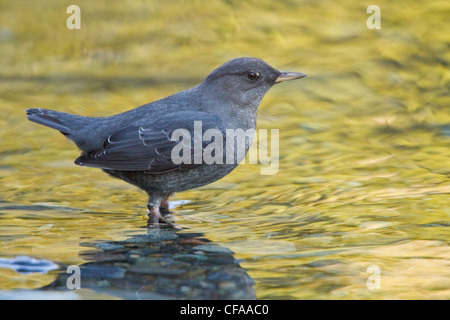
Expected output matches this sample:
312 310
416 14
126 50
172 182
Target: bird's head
245 81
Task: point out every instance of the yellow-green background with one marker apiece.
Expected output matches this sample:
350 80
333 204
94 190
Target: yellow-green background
364 139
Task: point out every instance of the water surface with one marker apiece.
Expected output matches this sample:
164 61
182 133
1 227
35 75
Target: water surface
364 141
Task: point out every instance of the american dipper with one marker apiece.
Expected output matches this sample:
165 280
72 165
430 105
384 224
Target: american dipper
136 146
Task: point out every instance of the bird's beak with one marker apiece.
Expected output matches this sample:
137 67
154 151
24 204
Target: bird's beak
286 76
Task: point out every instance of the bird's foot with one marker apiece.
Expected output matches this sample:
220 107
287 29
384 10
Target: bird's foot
155 217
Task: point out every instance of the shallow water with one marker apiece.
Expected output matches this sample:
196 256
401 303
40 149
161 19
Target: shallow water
363 180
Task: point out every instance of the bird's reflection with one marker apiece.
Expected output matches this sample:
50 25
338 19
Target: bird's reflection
162 263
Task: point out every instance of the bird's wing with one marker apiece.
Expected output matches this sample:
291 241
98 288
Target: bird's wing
147 145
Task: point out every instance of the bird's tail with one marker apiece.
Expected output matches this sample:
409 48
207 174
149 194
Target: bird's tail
49 118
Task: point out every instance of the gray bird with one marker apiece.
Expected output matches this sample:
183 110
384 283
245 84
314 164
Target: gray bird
137 146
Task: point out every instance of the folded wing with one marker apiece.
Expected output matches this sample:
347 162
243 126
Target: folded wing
147 144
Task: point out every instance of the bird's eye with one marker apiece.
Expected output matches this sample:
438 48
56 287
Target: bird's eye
253 75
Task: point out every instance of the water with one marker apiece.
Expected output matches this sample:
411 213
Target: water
363 183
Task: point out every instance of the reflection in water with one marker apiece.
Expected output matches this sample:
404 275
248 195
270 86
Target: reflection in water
161 264
27 265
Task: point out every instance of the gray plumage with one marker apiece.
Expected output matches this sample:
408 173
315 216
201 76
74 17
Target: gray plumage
135 146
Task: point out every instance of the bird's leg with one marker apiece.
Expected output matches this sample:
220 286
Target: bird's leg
153 211
165 204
